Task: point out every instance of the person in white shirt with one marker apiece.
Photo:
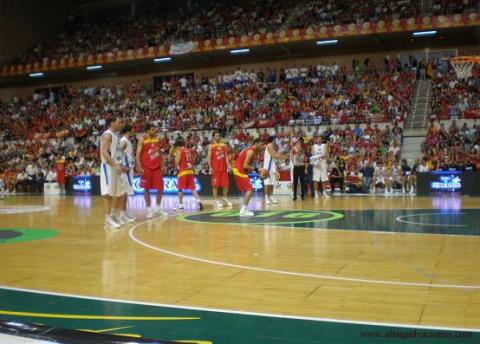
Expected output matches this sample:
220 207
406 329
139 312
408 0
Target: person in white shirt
2 186
183 82
32 171
51 176
111 172
379 176
318 160
423 166
394 149
396 174
128 164
388 175
271 156
288 74
21 181
303 73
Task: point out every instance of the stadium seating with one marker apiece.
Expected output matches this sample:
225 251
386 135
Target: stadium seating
219 19
450 146
68 121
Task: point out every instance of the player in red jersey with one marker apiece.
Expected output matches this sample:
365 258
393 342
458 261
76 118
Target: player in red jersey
149 165
59 167
219 165
241 167
186 174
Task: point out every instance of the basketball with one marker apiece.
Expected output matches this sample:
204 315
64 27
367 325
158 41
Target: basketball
263 173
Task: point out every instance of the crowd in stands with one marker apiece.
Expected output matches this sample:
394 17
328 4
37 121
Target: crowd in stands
452 148
362 158
107 35
321 94
26 165
65 123
330 12
218 19
444 7
453 97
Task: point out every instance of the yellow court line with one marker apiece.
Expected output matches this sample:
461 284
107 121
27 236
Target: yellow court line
106 330
93 317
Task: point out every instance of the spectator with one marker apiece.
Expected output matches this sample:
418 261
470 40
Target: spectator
51 176
367 177
405 177
336 178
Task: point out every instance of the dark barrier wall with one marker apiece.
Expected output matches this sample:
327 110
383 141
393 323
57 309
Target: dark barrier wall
27 332
90 185
448 182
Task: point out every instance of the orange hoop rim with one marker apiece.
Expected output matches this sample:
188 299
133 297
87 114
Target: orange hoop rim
460 59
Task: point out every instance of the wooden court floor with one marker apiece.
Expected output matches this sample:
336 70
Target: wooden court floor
406 260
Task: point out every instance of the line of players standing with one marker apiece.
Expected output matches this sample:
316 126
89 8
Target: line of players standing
118 165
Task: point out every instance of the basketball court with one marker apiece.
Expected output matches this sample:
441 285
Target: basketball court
349 269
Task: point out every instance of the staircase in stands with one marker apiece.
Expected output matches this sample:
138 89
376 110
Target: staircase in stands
416 124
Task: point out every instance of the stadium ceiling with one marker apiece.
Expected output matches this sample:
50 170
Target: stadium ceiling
102 3
391 42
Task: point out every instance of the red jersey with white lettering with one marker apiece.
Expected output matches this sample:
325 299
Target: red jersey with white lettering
218 157
186 178
151 155
186 160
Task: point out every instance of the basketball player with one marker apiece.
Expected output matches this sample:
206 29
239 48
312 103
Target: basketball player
149 165
186 175
111 172
243 164
319 162
270 157
219 165
59 167
128 165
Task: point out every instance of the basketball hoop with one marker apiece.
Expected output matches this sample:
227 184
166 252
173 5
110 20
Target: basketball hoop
463 65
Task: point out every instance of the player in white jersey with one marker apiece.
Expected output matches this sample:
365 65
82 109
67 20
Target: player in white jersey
111 171
128 165
271 155
320 167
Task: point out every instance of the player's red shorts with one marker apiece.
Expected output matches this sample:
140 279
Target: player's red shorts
220 179
243 183
186 182
61 178
152 179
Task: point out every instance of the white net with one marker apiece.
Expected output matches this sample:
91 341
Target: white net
463 68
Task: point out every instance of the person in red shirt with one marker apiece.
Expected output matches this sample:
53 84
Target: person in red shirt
186 174
59 167
241 166
219 165
149 165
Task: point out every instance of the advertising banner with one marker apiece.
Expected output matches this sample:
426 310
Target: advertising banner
448 182
90 185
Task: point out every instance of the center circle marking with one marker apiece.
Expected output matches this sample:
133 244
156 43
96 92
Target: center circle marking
262 217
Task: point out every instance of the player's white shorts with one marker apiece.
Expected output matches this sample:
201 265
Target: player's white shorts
127 184
110 181
320 173
272 177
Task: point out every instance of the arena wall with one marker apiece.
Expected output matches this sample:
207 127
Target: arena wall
24 23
